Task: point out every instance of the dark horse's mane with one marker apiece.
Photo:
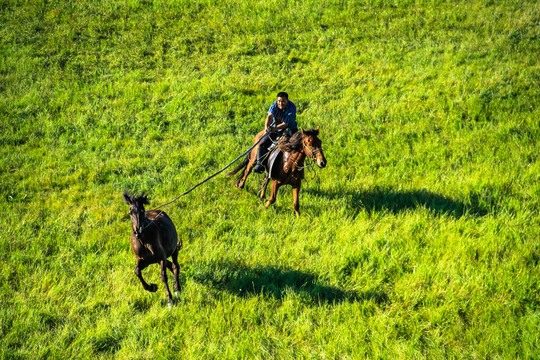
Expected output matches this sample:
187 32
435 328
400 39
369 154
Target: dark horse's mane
295 141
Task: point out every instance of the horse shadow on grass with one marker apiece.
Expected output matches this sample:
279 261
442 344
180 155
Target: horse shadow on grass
396 201
278 283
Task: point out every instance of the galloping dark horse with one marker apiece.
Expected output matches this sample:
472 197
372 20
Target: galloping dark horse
153 240
287 169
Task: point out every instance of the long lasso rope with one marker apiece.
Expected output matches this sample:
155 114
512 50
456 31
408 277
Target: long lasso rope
215 174
205 180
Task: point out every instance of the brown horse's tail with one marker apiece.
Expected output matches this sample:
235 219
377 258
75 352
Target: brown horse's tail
242 165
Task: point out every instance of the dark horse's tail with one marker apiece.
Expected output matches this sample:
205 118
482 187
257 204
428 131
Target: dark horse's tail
242 165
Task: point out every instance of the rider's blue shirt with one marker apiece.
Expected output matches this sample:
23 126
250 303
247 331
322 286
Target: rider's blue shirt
287 115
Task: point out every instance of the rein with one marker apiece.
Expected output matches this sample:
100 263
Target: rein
310 156
309 166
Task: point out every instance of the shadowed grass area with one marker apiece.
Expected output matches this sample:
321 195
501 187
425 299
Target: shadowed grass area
276 283
395 201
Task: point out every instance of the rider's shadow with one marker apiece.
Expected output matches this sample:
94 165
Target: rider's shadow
396 201
272 281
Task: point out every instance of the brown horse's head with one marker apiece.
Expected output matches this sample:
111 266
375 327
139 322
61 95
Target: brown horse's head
313 146
136 212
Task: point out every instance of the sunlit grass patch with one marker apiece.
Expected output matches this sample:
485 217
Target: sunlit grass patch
418 240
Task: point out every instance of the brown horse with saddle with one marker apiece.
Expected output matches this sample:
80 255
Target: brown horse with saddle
284 164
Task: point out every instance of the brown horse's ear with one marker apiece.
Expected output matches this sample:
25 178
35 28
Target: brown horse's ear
127 198
317 130
303 133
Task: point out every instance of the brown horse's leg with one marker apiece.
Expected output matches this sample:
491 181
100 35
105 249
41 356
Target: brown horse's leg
296 199
273 193
163 264
141 265
262 193
249 167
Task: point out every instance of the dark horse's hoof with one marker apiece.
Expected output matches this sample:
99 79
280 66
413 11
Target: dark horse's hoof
152 288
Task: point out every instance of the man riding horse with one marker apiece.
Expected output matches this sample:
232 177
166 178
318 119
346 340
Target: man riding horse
281 119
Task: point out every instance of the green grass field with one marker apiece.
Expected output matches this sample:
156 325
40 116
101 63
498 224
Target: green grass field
419 240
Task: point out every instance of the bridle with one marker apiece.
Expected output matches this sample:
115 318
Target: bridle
310 149
146 223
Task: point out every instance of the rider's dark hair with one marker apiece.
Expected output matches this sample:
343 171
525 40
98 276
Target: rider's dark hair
283 94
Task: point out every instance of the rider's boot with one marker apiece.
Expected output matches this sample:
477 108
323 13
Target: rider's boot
259 168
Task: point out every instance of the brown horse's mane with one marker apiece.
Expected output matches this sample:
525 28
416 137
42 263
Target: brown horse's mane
294 142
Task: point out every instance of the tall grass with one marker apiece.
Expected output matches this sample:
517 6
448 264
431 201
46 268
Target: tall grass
419 240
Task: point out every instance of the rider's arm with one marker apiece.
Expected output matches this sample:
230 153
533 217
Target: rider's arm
269 126
268 122
281 126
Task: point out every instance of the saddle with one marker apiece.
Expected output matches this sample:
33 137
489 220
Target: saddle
278 158
272 165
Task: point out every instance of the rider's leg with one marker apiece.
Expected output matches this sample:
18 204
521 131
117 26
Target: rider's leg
263 148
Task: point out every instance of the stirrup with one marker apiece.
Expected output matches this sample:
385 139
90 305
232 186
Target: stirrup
259 169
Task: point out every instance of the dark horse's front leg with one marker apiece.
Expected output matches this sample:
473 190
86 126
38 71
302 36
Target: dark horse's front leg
174 267
163 264
141 265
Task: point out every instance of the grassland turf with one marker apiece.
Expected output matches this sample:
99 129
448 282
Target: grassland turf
419 240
